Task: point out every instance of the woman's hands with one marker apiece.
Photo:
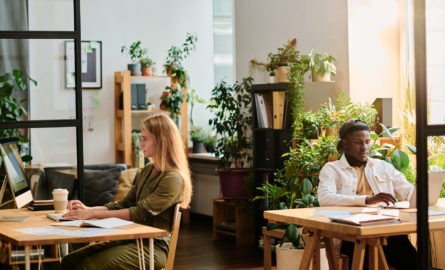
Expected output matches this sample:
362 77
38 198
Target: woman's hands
78 210
381 197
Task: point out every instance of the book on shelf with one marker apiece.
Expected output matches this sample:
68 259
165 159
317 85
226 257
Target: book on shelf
263 105
134 96
259 115
366 220
278 108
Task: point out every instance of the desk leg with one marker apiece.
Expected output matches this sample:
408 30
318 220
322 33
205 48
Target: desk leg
267 252
330 253
382 259
27 258
316 251
152 257
373 257
308 250
359 255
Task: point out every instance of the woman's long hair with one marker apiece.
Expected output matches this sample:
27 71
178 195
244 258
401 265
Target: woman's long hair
170 154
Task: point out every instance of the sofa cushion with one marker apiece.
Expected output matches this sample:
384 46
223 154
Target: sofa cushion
100 186
125 183
57 178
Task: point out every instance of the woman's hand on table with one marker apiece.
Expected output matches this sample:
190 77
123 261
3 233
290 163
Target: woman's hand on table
76 205
79 214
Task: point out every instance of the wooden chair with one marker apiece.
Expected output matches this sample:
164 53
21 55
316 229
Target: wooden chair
174 238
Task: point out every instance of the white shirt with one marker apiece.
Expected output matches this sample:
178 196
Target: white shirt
338 182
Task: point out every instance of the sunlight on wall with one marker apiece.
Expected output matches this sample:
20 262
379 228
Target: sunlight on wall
374 51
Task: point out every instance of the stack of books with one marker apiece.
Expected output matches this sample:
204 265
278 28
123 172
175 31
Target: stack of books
39 205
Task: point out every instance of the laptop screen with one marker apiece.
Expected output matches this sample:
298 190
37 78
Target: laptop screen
14 166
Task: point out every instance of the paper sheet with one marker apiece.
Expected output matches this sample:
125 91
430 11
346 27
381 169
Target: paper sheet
80 233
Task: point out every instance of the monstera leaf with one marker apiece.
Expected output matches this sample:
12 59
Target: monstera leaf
400 160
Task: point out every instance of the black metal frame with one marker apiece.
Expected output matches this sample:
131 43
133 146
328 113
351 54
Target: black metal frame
77 123
423 130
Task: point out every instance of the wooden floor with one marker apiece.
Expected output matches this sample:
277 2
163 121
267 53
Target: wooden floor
197 250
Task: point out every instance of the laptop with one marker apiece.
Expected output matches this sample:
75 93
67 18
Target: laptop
435 181
15 173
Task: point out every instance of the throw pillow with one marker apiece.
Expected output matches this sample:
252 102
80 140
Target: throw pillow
100 186
56 178
125 183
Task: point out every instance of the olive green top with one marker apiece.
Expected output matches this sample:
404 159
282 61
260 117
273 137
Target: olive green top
152 200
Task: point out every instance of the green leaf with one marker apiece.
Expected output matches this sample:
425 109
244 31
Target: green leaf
411 148
373 135
292 233
282 205
400 160
6 90
382 151
271 226
306 186
393 129
386 131
291 182
26 158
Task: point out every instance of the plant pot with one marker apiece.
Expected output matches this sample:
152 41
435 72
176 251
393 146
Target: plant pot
282 72
146 71
233 183
325 78
153 71
272 79
289 258
198 147
210 148
135 69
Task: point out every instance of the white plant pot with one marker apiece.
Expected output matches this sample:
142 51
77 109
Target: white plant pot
289 258
272 79
317 78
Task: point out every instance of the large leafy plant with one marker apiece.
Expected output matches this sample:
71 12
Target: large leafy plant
284 55
11 109
231 105
134 51
321 63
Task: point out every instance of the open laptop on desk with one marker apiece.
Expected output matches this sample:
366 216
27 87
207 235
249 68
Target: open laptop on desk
15 173
435 181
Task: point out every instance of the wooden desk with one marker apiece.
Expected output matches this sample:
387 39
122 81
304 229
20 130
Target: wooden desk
39 219
372 236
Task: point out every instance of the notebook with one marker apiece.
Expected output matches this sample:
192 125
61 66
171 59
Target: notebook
106 223
366 220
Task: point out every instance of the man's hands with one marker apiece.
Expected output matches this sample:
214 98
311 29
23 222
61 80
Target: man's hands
381 197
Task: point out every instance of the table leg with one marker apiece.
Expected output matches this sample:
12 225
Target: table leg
267 252
308 250
359 255
27 258
373 257
382 259
330 253
152 257
316 251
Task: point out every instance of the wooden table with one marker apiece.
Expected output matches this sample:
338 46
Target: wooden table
38 219
372 236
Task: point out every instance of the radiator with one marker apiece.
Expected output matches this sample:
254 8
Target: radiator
205 188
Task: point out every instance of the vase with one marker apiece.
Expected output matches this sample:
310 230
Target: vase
135 69
233 183
198 147
282 72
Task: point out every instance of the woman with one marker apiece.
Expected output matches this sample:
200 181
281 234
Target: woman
161 184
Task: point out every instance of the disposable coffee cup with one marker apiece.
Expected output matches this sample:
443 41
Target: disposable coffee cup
60 197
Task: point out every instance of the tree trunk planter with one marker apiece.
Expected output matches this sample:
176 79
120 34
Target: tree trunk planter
146 71
282 72
233 183
289 258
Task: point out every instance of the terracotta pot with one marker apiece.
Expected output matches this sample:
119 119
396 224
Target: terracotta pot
282 72
325 78
146 71
233 183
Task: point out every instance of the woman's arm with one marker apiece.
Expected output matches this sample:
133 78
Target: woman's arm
77 210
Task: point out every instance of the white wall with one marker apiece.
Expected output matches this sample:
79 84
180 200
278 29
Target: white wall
158 24
261 26
374 51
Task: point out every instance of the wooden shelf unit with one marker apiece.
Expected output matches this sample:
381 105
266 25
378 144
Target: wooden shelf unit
123 117
51 254
244 222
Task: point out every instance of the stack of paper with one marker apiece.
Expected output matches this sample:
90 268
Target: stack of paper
366 220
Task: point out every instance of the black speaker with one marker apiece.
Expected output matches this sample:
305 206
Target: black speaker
134 97
141 97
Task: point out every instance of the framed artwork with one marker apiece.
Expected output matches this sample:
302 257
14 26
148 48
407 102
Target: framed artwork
91 55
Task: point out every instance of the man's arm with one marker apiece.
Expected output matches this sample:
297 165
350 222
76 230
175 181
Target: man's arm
401 186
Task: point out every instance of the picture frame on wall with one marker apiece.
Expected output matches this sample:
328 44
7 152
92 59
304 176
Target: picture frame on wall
91 61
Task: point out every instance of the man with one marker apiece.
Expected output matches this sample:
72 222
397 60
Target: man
358 180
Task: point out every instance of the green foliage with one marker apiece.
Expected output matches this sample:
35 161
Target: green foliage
135 51
285 55
307 125
320 63
172 102
146 62
348 110
11 109
175 57
210 142
197 134
231 105
192 99
295 92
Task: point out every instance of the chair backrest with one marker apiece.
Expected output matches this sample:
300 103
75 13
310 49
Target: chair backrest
174 238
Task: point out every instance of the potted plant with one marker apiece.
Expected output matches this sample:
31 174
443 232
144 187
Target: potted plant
210 142
281 60
136 53
231 105
322 66
197 136
11 108
146 64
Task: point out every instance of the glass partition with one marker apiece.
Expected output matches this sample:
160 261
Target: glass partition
53 146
